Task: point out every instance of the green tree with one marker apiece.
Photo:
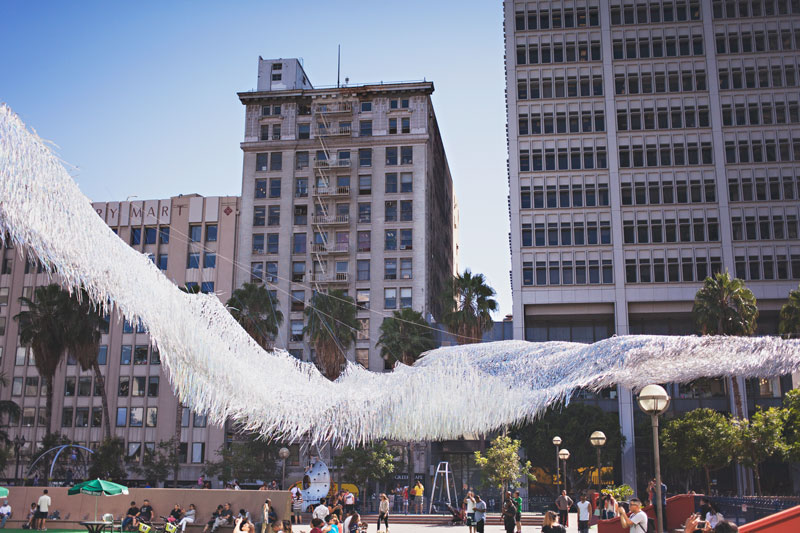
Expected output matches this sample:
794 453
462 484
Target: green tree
573 423
760 438
405 336
725 306
83 325
246 459
42 328
368 463
331 329
107 460
158 463
256 310
790 316
701 439
467 307
502 465
791 431
8 408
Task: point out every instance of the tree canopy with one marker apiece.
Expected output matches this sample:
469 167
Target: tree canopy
502 465
331 329
467 307
405 336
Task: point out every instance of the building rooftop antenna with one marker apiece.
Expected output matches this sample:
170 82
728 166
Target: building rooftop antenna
338 65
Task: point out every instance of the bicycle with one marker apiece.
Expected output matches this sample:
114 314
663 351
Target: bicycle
146 526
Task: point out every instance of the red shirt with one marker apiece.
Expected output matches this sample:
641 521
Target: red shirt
316 530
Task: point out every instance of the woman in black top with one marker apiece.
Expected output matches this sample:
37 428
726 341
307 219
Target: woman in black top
509 514
551 525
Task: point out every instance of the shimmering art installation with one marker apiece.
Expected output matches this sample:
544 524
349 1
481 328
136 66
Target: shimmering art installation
216 368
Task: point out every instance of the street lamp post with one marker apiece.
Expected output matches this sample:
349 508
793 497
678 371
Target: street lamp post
564 455
598 440
654 400
557 443
19 442
283 453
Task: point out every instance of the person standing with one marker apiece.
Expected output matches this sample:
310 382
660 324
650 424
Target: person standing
419 496
551 525
383 512
637 521
509 513
297 507
349 502
469 507
518 503
563 504
480 514
406 495
584 511
321 511
43 507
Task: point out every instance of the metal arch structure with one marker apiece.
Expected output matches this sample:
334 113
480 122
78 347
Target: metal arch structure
55 459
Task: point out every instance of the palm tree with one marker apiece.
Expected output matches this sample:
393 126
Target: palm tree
83 324
790 315
405 336
7 408
725 306
42 329
468 306
256 309
331 329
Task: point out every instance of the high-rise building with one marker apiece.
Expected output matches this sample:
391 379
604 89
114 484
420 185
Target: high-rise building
189 237
344 188
651 144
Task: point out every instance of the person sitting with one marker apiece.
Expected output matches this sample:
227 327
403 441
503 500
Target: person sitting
145 513
175 514
214 517
130 517
225 517
188 517
31 517
5 513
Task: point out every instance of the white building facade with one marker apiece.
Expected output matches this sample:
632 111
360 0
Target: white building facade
650 145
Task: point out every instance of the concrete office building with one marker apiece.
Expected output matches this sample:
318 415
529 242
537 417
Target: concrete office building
344 188
650 145
192 239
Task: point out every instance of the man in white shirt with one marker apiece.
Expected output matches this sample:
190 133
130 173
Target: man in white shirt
349 502
5 513
637 521
584 510
480 514
321 510
43 509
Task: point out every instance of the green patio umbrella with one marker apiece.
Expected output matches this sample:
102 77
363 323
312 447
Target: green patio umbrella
3 492
98 487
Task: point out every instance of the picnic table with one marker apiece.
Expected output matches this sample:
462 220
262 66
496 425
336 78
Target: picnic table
94 526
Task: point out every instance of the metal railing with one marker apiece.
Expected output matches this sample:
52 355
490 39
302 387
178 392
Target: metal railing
338 277
331 219
748 509
343 190
333 108
332 163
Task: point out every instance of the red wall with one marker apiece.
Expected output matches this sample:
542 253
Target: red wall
787 521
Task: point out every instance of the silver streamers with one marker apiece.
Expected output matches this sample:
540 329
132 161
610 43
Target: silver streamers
217 369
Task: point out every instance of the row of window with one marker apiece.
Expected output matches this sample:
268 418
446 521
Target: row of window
137 386
544 53
743 41
556 18
152 235
560 87
674 117
394 182
656 46
566 234
761 77
746 188
732 9
565 195
393 268
758 113
394 155
759 151
758 267
568 272
667 191
655 12
134 417
671 270
193 260
660 81
665 155
656 230
576 158
394 239
767 227
586 121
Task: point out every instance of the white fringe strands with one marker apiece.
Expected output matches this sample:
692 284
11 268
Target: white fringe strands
217 369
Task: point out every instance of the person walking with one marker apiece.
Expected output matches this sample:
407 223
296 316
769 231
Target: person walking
551 525
584 511
383 512
188 517
480 514
509 513
419 496
469 507
43 507
563 504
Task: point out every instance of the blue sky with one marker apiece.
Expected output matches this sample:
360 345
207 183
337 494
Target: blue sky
140 97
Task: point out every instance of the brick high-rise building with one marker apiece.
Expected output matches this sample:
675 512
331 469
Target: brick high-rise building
650 145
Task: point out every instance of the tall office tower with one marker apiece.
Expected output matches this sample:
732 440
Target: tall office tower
650 145
191 239
344 188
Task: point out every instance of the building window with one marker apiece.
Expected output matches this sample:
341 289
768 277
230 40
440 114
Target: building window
299 243
122 416
66 417
406 155
390 269
32 386
391 182
125 354
198 452
275 188
84 386
296 331
406 182
363 329
362 298
390 239
365 128
193 260
365 157
406 271
364 185
406 239
16 387
272 243
207 287
362 270
151 419
390 298
391 155
298 301
150 235
405 297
